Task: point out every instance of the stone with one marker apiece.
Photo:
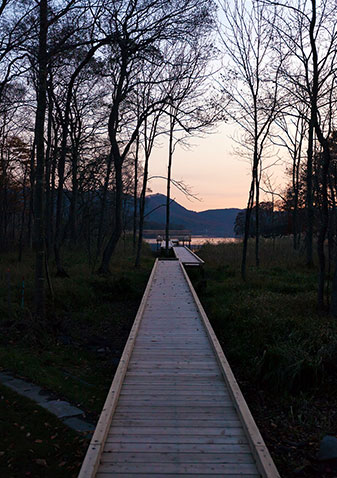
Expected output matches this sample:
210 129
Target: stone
70 415
5 378
327 448
79 425
61 408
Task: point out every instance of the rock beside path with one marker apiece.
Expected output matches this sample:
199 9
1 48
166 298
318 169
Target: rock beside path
327 448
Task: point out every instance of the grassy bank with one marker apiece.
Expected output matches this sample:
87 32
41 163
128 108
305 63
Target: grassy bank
282 350
74 353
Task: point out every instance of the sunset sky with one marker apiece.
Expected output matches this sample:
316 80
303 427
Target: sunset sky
210 168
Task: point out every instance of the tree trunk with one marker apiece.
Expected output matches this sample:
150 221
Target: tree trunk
23 212
309 201
257 221
103 206
168 189
247 230
39 239
48 170
31 197
62 160
115 236
135 199
142 211
74 196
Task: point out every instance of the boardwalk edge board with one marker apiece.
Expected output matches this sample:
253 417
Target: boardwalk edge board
193 254
183 254
93 455
260 451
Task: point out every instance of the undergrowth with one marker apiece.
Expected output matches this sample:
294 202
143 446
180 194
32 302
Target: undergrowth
269 326
75 351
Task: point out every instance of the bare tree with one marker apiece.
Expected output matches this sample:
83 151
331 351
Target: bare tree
292 127
140 31
251 84
312 46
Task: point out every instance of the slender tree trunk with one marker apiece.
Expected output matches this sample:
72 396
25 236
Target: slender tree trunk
31 197
51 212
142 211
135 198
62 160
309 201
118 229
74 197
23 213
39 239
323 230
247 230
59 202
103 206
257 221
168 188
48 169
295 176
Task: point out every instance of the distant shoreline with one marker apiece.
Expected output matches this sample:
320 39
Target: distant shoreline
198 240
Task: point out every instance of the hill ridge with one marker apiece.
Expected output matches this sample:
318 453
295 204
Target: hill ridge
212 222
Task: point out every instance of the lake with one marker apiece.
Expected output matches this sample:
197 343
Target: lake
197 241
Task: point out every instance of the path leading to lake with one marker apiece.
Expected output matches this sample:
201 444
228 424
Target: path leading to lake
186 256
174 407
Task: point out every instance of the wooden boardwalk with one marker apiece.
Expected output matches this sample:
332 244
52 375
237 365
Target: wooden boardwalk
186 256
174 407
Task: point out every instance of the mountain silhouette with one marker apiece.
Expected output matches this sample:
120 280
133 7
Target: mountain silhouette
213 222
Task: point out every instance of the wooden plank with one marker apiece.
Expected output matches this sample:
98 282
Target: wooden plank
187 356
168 402
206 375
91 460
175 384
161 422
176 431
165 475
170 415
179 439
167 457
171 369
148 362
175 392
171 391
176 468
176 448
177 409
176 380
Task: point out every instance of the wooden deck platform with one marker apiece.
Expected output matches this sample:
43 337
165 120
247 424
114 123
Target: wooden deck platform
186 256
174 407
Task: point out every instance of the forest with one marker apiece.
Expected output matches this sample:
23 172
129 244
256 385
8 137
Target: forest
89 89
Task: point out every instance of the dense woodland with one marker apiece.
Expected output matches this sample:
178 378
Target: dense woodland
88 88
